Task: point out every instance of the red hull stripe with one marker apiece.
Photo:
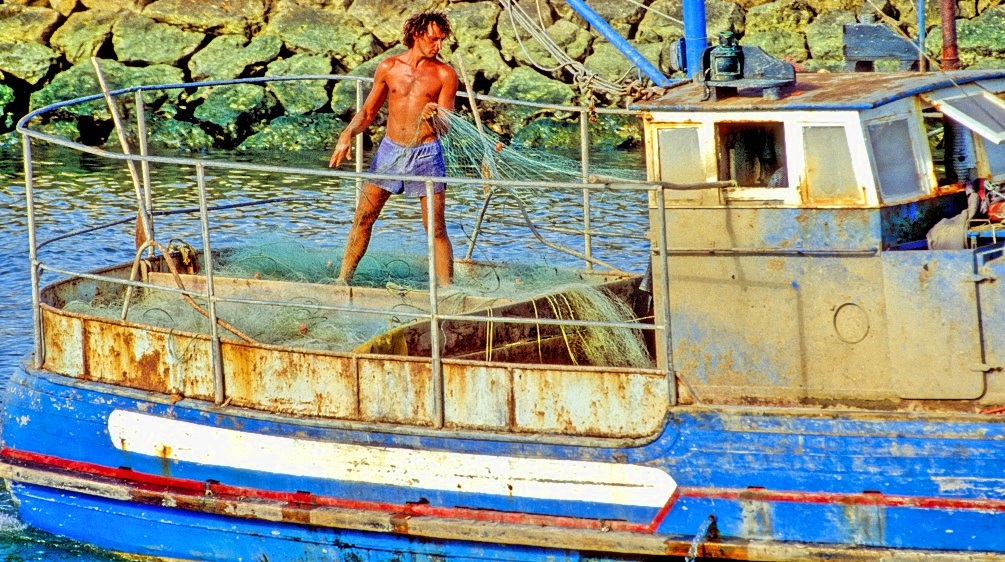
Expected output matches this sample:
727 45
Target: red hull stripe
864 498
187 487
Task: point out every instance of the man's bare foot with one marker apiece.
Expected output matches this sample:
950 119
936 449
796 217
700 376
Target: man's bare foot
339 282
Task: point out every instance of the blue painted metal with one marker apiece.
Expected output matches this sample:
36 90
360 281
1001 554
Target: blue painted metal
695 34
619 42
796 469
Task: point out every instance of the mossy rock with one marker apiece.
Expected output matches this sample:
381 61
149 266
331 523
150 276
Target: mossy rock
605 133
177 135
296 133
81 80
236 109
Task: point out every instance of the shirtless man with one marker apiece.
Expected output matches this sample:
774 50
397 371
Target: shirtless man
414 85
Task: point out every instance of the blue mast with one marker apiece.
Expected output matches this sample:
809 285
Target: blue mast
620 42
695 35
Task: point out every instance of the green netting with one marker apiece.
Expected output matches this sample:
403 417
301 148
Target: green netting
299 322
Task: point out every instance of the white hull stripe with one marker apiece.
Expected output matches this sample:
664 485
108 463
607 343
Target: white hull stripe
547 479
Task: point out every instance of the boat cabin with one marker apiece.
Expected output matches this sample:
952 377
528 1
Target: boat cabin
810 277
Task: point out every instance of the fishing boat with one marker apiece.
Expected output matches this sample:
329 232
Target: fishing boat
822 312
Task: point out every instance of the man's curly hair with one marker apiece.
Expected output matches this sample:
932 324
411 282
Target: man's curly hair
419 23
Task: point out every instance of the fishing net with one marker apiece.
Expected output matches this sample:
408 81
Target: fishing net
302 322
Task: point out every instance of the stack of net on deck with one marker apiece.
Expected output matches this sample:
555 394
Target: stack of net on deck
301 323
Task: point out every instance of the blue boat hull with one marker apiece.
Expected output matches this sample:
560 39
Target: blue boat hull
772 481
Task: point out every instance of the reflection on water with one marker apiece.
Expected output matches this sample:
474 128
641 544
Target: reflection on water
77 192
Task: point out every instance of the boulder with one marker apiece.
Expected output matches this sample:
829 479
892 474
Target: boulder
482 60
227 56
520 47
300 96
312 30
789 46
473 20
612 64
783 15
26 60
528 85
116 5
825 34
978 39
172 134
290 133
385 18
235 111
80 80
64 7
140 39
663 22
27 23
606 133
221 16
620 15
82 34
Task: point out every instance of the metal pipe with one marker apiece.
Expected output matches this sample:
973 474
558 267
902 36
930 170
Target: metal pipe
584 156
619 42
141 129
950 53
216 353
664 266
922 63
29 196
695 35
434 328
359 142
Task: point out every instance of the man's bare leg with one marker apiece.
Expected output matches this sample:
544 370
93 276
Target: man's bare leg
371 201
441 242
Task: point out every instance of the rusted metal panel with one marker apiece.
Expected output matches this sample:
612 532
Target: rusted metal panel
601 403
477 396
395 390
154 360
935 344
63 340
290 381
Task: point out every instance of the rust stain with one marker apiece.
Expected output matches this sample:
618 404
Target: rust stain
399 523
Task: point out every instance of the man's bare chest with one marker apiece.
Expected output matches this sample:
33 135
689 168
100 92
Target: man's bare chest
414 83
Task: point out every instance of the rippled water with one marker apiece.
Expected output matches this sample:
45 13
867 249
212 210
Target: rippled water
79 191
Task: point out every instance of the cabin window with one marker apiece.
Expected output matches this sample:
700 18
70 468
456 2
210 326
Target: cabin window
752 154
894 157
996 158
830 175
980 112
936 131
680 160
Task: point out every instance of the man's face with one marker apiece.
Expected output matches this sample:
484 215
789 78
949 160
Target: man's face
430 42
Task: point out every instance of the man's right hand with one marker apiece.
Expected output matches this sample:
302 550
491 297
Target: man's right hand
343 149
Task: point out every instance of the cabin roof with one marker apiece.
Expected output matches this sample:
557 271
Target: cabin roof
853 91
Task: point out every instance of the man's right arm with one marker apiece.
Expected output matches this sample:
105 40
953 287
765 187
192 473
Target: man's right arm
365 116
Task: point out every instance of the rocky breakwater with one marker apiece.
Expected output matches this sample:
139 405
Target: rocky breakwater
47 47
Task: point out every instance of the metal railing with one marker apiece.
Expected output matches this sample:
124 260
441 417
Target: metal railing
145 198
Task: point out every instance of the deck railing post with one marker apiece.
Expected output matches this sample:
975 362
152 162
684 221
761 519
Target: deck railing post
216 355
141 129
584 150
29 196
434 330
667 339
359 143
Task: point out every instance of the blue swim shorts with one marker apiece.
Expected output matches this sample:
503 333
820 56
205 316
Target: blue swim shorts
422 160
